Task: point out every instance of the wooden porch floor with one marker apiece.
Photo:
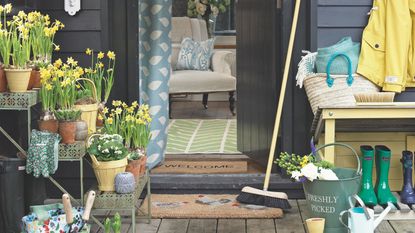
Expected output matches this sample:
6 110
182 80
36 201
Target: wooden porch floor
291 223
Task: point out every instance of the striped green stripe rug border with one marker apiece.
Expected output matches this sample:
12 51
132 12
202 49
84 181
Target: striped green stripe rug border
190 136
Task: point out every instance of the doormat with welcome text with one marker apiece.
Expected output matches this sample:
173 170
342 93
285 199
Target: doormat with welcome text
206 206
190 136
202 167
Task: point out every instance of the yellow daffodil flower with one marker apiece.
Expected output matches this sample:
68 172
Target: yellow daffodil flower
109 120
111 55
100 55
1 9
116 103
8 8
88 51
118 111
134 104
105 110
100 65
100 117
58 63
48 87
57 47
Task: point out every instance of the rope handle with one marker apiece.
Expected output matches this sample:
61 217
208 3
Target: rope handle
330 80
317 155
93 85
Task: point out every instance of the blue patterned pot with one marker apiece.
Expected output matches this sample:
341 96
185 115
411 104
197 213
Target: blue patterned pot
124 182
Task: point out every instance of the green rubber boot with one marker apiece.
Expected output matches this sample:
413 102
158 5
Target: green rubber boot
367 193
384 194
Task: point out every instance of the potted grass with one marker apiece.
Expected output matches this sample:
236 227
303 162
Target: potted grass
5 44
133 124
42 34
109 157
17 33
101 74
67 124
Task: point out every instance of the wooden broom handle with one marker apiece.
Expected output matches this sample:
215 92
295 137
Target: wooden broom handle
282 94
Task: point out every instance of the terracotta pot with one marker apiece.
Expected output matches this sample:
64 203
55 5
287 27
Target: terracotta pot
49 125
137 167
81 131
67 130
34 81
18 79
3 81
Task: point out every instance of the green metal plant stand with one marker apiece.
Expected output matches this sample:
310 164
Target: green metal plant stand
111 201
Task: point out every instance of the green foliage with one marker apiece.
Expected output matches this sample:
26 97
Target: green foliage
114 224
67 114
108 147
201 7
293 162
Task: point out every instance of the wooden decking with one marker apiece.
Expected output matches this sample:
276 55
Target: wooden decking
291 223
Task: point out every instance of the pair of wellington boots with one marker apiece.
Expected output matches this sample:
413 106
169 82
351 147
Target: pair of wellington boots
380 193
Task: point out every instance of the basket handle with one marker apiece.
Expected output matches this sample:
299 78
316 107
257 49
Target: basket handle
93 85
330 80
89 142
317 156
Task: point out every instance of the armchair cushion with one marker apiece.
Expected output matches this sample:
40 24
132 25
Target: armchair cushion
195 55
193 81
222 61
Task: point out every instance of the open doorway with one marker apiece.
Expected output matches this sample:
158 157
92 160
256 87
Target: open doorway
203 116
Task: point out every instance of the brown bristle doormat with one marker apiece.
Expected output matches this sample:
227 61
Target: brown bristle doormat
206 206
202 167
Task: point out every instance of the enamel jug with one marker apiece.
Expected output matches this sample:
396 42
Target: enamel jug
362 219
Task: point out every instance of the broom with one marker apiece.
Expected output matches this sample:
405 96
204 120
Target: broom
264 197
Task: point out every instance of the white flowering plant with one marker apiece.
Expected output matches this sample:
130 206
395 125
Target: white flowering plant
108 147
302 168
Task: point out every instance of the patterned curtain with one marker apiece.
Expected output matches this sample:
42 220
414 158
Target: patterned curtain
154 56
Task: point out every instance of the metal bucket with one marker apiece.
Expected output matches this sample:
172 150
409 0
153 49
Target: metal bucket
327 198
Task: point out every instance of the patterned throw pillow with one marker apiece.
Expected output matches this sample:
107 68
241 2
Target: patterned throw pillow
195 55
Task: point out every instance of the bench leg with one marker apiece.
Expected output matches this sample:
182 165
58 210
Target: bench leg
232 102
170 104
205 100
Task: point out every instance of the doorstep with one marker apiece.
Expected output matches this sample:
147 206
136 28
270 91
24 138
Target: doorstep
221 183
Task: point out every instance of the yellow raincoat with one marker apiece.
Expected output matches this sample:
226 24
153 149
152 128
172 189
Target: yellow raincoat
388 45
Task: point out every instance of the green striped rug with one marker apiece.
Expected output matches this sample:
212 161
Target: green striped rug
189 136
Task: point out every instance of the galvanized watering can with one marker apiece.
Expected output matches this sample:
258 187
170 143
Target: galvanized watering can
362 219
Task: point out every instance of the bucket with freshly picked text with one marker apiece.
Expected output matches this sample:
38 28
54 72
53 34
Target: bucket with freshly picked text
327 198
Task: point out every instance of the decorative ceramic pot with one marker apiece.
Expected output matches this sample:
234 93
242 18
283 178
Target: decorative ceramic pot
49 125
81 131
34 81
3 80
67 130
18 79
124 182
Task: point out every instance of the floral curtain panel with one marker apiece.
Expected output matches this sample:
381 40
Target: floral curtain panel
154 56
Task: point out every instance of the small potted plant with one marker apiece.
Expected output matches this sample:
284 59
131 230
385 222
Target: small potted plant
18 73
67 124
109 157
133 124
101 74
5 44
42 33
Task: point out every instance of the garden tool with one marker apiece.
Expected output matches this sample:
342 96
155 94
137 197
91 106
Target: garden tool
367 193
80 223
407 193
382 189
362 219
252 195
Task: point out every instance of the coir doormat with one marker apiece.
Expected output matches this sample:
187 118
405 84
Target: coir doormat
206 206
202 167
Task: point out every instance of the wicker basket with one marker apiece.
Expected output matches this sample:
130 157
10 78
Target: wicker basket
106 172
340 94
89 111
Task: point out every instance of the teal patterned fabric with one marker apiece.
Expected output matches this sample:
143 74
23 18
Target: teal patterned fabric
195 55
43 153
155 68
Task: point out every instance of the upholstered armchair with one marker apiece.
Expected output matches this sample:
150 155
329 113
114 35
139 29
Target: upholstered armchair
219 78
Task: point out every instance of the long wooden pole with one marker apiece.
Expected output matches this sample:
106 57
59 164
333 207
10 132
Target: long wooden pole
282 94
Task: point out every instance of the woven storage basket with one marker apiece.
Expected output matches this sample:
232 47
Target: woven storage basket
340 94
